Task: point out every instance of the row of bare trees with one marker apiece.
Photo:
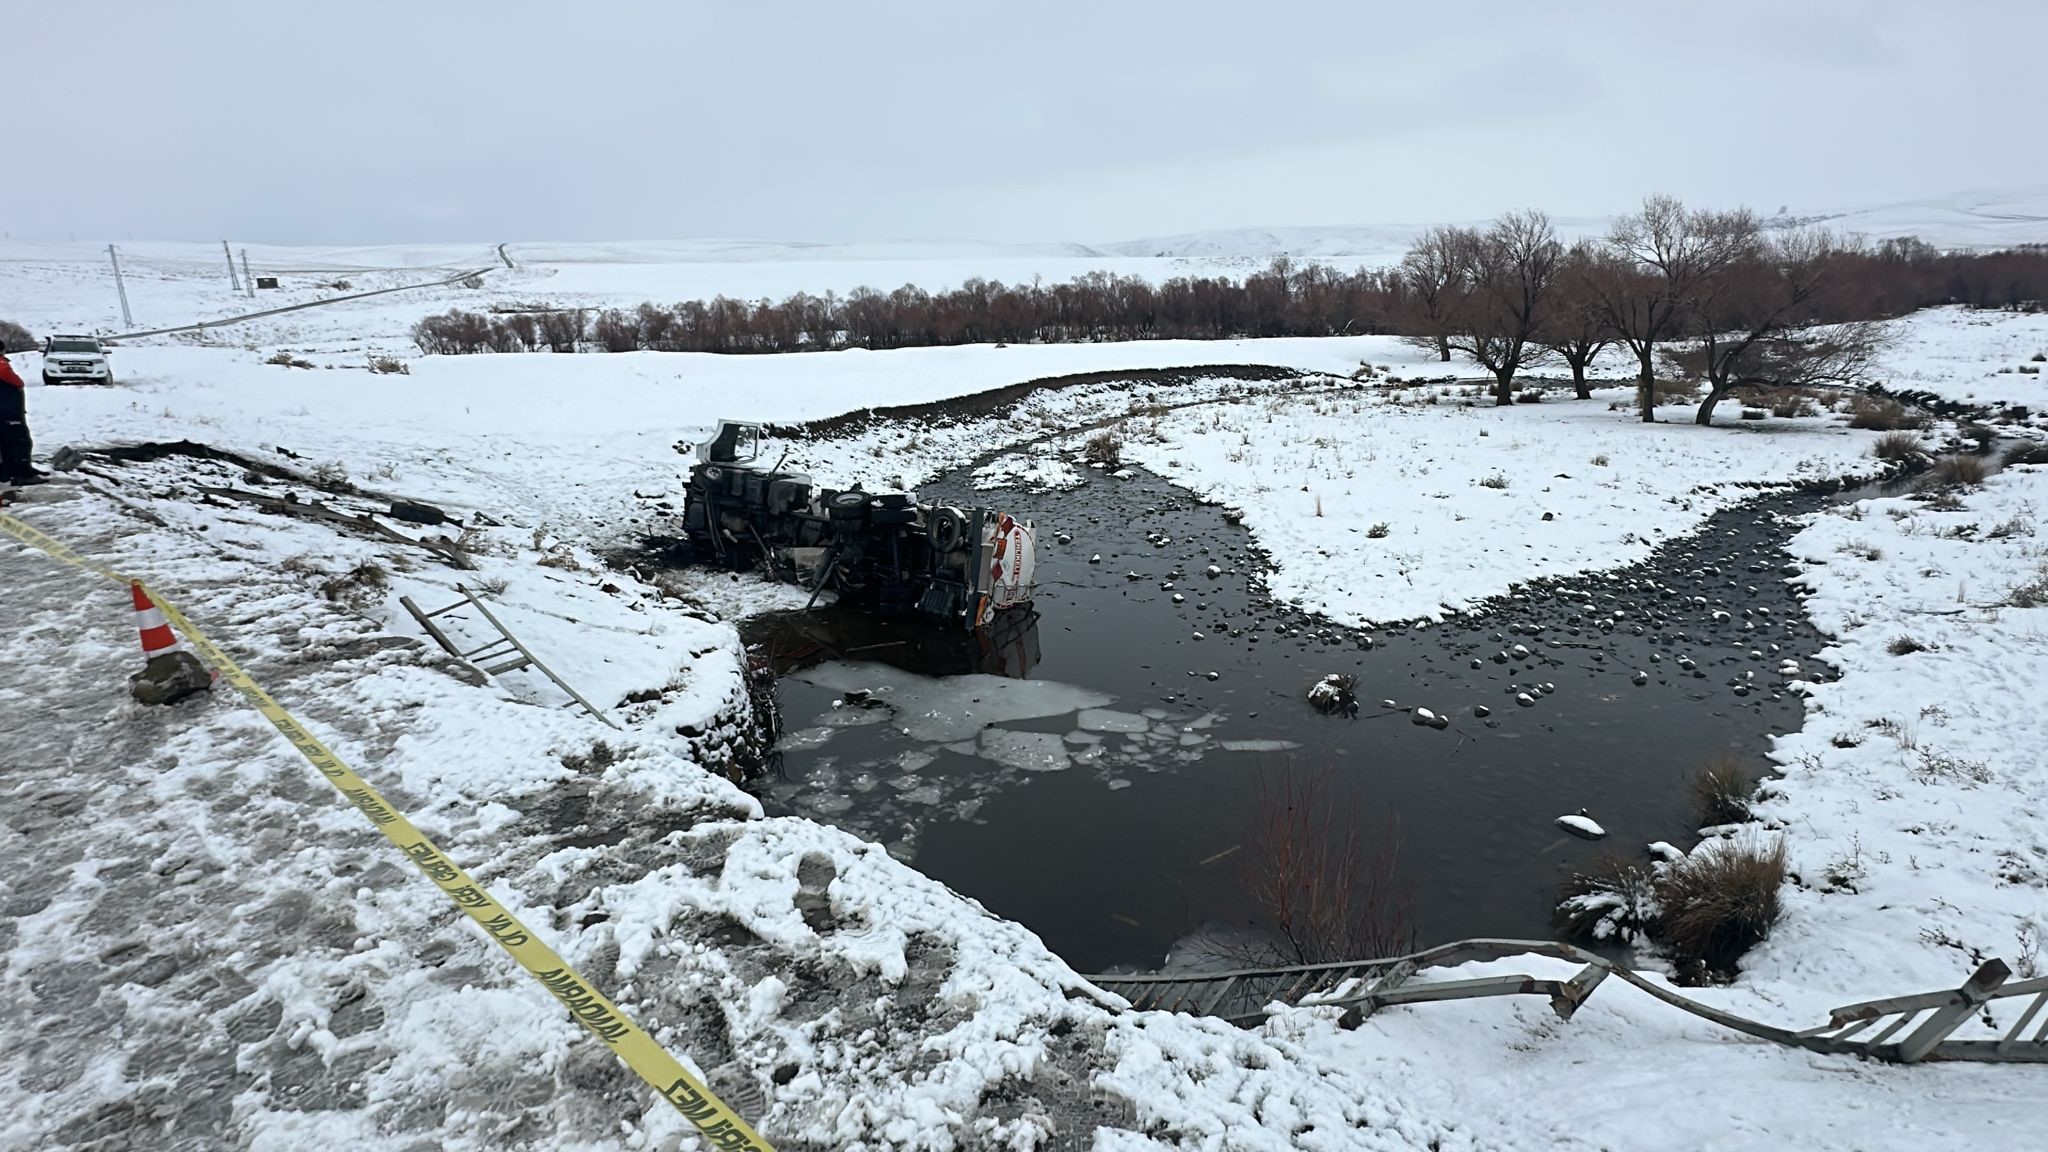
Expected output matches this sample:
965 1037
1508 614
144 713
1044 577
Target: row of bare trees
1712 296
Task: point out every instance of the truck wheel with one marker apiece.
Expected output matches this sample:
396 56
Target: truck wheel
947 528
48 380
848 505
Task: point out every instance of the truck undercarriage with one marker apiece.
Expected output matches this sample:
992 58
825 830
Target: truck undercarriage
881 550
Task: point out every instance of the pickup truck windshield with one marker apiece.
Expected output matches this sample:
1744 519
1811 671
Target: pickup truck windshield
74 345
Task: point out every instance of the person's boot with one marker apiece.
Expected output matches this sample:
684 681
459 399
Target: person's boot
30 477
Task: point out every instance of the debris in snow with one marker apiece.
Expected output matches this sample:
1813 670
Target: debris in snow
169 677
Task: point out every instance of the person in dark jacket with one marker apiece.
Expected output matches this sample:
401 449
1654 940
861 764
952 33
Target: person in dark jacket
15 445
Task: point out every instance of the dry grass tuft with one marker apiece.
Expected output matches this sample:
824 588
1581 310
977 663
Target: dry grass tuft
1896 446
1105 448
1882 415
1720 792
1960 471
1719 902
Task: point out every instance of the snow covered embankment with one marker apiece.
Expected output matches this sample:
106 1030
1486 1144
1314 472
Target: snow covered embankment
244 963
1917 792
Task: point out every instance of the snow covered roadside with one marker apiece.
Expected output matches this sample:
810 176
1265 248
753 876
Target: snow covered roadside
203 947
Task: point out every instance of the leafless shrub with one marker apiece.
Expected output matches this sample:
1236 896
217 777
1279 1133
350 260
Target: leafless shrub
360 588
1497 480
492 586
1613 901
1678 391
14 338
1904 646
1105 448
2032 452
452 333
1378 531
563 331
2032 594
287 360
1896 446
1960 471
1719 902
1600 461
1787 407
2014 526
1308 871
1720 792
332 475
616 331
1937 765
388 366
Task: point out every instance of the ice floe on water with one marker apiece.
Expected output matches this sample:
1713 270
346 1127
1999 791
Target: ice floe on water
934 710
911 749
1026 751
1104 720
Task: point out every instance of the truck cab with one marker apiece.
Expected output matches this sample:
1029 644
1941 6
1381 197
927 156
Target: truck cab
76 360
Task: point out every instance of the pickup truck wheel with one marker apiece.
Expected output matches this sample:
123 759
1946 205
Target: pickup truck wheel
48 380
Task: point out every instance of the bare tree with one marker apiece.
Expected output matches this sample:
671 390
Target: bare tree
1572 327
1307 869
1751 323
1432 272
1509 274
1664 255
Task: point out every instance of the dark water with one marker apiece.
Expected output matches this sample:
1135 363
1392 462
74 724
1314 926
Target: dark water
1113 857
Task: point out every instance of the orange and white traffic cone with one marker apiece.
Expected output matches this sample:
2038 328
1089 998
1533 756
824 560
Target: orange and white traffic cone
169 673
157 637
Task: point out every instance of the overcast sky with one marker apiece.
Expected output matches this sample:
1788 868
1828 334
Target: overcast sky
1096 121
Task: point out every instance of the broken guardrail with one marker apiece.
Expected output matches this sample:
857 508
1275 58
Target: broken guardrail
1921 1025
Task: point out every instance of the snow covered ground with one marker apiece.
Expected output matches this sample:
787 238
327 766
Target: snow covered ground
203 949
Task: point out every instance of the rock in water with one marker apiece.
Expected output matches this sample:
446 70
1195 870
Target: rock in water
1665 851
170 677
1581 825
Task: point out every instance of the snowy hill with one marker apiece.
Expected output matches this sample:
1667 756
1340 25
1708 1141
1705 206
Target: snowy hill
1986 218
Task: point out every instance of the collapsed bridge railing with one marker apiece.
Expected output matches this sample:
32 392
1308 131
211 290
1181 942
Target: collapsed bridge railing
1921 1026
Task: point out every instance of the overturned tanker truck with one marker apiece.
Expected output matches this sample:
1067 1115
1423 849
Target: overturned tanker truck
881 550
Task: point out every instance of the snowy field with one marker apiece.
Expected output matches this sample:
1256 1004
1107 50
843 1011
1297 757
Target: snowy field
202 949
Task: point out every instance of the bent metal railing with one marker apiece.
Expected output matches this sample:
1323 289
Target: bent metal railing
1922 1027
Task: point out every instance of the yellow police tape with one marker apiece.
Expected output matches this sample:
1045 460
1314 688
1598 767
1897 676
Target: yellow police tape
723 1127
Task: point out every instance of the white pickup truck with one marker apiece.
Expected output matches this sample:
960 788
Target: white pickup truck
75 360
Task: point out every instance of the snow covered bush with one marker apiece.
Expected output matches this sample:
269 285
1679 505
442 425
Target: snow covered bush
15 338
1613 901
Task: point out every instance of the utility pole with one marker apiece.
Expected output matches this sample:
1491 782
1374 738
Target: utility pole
127 321
248 281
231 267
